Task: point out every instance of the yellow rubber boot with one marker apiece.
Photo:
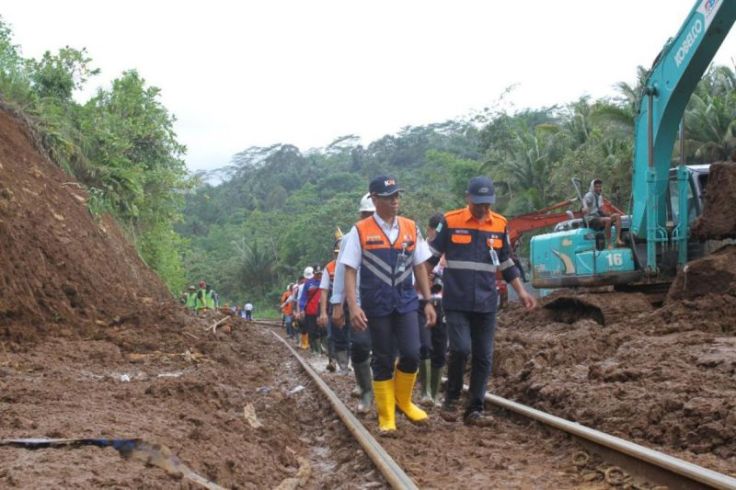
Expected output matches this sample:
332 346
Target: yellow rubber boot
383 393
305 341
404 386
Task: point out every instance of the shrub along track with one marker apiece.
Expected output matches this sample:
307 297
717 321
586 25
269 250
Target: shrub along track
519 452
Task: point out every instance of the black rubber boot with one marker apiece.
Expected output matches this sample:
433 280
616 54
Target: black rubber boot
364 378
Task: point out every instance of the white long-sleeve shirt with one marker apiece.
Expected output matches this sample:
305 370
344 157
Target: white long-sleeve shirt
338 286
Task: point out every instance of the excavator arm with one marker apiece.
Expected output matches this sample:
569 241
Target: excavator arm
672 79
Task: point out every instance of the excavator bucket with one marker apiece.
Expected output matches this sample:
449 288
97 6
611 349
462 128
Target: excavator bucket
606 308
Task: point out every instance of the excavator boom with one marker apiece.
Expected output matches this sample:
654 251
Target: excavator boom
663 200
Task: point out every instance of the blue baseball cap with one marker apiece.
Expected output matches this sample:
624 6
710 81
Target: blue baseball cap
384 185
481 191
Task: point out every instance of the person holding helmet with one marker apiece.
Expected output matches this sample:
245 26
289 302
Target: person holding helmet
475 243
359 340
390 252
309 304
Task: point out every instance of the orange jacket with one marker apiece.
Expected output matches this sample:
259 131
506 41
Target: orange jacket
287 308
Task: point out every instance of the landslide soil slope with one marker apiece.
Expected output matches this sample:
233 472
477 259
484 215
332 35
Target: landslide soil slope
664 378
93 346
62 270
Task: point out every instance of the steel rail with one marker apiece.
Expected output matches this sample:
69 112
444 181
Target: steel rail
670 464
391 471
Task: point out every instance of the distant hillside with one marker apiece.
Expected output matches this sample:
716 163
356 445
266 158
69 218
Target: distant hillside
275 209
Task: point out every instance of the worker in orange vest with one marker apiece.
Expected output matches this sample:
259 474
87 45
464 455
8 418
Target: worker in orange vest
475 243
286 311
390 252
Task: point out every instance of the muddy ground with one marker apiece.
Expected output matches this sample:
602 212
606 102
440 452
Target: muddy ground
665 378
189 395
514 453
92 345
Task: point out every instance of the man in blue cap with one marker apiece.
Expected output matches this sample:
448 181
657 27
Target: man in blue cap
388 252
475 243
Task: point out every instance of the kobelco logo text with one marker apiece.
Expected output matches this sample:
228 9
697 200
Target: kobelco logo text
692 36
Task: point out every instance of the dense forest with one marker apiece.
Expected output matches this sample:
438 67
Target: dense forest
279 207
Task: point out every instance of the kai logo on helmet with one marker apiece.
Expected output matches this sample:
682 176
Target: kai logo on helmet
389 182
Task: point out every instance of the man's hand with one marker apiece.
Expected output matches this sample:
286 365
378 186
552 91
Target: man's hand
430 315
338 316
530 302
322 320
358 319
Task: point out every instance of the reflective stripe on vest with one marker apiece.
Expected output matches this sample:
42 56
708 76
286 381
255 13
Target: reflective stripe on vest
470 266
386 268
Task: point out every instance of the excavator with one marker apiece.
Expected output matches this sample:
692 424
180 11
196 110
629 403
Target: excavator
665 200
542 218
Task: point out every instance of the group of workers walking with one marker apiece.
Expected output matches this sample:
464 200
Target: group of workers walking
206 299
393 302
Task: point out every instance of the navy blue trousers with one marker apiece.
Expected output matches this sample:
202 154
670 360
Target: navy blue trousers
470 334
389 334
358 340
433 341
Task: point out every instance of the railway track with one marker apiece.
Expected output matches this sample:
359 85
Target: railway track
625 464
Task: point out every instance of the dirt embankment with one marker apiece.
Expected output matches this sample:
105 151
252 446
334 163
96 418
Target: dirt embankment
665 378
93 346
718 220
63 270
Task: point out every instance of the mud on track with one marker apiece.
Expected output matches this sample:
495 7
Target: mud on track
192 403
516 453
665 378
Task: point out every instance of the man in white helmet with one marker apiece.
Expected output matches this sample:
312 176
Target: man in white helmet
359 340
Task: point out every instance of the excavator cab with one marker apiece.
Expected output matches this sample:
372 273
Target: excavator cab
575 254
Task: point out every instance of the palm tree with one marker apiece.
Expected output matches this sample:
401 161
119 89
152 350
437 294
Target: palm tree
710 117
522 163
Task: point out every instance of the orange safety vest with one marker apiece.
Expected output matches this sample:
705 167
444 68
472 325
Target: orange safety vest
330 268
286 310
386 269
474 250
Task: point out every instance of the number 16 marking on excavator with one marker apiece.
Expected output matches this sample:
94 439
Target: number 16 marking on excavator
615 259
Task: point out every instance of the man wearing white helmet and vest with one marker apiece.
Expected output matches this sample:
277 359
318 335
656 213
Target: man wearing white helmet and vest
390 252
359 340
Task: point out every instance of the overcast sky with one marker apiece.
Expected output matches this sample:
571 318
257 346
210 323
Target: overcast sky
244 73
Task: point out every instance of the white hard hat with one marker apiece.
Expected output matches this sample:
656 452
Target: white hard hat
308 272
366 205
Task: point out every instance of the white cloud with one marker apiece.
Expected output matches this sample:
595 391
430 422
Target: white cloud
238 74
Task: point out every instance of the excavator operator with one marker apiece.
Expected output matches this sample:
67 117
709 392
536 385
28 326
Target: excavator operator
596 217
